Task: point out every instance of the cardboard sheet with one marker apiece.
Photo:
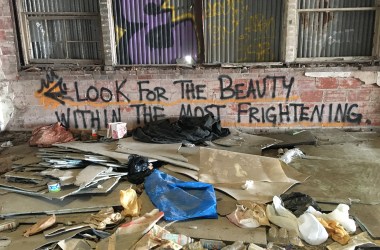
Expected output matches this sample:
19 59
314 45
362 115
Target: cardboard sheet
28 160
271 177
101 187
218 229
108 149
18 204
293 138
349 168
105 149
262 192
221 166
368 218
166 150
23 187
35 241
237 138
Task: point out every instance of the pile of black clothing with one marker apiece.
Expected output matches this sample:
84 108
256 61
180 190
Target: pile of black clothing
193 130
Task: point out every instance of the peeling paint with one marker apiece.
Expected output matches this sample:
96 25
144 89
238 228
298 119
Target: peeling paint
367 77
6 105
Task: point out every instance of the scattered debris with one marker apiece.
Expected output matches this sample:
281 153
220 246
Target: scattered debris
102 168
291 154
40 226
6 144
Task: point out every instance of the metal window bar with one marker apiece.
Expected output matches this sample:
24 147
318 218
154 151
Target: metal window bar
48 28
242 31
335 28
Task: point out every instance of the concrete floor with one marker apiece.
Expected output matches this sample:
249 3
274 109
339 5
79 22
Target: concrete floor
343 168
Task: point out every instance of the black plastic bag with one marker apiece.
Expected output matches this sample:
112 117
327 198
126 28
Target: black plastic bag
298 202
138 168
367 246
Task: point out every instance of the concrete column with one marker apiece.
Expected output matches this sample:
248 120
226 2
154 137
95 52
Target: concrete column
376 38
290 34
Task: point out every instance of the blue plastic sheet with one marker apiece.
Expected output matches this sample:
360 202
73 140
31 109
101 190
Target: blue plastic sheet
180 200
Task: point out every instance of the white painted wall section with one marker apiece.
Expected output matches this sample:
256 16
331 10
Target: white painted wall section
367 77
6 105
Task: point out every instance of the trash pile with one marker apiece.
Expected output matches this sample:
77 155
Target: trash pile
189 184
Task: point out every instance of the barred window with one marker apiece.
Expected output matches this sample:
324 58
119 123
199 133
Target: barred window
340 28
60 31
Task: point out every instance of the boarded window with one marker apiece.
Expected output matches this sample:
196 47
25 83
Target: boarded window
335 28
238 31
155 32
60 31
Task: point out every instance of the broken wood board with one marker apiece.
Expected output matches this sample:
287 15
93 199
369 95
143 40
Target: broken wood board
293 138
12 204
368 218
217 229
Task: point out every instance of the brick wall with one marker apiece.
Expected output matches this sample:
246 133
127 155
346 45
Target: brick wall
268 98
8 59
259 98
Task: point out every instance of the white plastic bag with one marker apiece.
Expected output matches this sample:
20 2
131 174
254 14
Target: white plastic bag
340 214
311 230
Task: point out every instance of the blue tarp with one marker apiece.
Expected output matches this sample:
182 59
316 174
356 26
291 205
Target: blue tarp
180 200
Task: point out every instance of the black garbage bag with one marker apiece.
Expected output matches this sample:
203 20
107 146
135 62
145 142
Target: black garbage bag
298 202
367 246
138 168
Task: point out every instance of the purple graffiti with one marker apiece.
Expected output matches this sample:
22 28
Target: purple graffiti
165 32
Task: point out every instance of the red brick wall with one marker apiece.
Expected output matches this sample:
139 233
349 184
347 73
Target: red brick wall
253 99
8 59
84 99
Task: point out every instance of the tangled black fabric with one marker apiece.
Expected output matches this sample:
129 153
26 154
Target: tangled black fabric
298 202
194 130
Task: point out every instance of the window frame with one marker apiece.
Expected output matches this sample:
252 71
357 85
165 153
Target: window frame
340 59
288 47
25 17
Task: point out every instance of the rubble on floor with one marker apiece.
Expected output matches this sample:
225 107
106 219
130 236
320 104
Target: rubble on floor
239 191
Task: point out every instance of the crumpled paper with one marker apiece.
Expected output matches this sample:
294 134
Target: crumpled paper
249 215
155 238
104 217
335 231
130 233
